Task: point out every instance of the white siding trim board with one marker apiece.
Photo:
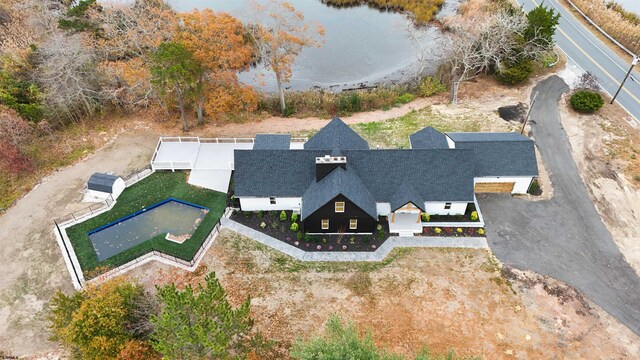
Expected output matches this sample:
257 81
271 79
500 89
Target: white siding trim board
264 203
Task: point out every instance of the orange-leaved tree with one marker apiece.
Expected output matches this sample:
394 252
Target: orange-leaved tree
219 45
280 33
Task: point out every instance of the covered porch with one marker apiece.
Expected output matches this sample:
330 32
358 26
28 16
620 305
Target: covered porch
406 221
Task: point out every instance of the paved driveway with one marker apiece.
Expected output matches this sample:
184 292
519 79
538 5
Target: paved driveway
563 237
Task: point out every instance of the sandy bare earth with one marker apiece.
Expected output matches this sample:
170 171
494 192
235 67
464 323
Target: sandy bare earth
606 174
446 299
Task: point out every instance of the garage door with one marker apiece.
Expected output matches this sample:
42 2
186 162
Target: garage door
497 187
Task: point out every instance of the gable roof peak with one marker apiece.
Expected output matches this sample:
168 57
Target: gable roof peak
336 136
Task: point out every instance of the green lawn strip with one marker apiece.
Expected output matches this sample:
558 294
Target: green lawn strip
155 188
394 133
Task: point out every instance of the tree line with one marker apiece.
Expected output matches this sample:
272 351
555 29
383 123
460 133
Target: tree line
91 57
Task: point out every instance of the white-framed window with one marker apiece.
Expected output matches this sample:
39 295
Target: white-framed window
325 224
353 224
272 200
339 206
447 206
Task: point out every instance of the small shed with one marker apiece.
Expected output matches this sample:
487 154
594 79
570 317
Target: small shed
101 185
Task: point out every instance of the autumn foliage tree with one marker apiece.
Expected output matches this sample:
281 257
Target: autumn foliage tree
218 44
15 133
280 33
97 323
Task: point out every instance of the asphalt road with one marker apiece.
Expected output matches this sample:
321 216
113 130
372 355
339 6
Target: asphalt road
590 54
563 237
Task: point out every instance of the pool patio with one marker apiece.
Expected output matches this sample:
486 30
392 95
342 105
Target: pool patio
209 159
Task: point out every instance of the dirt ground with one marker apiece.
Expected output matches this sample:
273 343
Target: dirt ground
606 148
444 298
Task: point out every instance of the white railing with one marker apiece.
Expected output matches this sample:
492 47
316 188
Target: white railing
172 165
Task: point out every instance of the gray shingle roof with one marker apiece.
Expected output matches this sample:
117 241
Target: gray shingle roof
272 142
338 182
405 194
436 174
336 135
102 182
499 154
428 138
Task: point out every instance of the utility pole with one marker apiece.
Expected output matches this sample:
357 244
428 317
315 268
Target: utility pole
533 101
634 62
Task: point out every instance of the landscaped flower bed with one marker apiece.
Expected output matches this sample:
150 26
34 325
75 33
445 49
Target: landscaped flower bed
452 231
470 215
286 226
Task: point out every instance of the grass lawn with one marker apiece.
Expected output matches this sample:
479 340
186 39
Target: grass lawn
155 188
394 133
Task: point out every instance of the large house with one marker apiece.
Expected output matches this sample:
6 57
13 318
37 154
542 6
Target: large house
338 184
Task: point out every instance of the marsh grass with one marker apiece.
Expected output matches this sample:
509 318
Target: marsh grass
327 104
623 26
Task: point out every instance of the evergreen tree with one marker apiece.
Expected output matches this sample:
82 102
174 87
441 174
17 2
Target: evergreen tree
201 324
542 23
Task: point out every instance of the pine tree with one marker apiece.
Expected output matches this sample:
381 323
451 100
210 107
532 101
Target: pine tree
201 324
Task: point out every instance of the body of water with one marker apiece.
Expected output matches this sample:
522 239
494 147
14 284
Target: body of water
362 46
171 217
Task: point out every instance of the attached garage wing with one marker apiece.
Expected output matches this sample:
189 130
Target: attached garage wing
495 187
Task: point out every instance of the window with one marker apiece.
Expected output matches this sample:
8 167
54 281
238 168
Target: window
325 224
447 206
272 200
353 224
340 206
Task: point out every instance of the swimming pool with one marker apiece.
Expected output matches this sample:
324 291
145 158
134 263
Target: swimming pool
176 217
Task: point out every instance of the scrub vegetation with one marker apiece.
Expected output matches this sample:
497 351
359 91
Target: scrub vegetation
611 17
422 10
155 188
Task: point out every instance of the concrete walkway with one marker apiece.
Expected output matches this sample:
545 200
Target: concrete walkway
563 237
379 255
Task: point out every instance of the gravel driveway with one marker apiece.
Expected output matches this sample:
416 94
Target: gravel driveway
563 237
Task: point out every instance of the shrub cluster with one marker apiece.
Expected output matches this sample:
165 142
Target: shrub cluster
516 73
431 86
586 101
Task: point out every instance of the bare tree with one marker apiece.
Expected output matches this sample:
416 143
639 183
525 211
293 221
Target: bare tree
67 74
482 43
280 34
421 40
587 81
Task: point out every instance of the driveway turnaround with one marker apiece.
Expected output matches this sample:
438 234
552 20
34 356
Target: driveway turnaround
563 237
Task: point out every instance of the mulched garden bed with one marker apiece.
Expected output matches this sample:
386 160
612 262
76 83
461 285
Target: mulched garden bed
466 217
281 230
452 231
